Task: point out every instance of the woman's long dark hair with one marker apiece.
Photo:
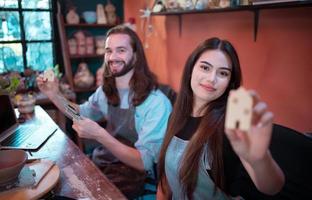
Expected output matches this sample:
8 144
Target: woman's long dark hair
211 128
143 80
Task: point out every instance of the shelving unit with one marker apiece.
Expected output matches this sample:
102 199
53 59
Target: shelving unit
70 59
253 8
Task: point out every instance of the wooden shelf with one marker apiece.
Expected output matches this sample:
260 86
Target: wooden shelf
81 25
240 8
86 56
253 8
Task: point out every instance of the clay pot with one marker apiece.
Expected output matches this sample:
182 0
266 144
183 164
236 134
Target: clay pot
11 164
83 78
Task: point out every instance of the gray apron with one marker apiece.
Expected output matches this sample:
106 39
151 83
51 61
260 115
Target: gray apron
205 186
120 124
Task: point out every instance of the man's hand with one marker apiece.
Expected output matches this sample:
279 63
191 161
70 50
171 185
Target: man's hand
86 128
49 88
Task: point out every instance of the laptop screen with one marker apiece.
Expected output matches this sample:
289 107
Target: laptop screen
7 114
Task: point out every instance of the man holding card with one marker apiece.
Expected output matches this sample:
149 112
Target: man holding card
136 113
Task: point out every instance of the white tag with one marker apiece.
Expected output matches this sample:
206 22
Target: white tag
239 110
70 110
48 75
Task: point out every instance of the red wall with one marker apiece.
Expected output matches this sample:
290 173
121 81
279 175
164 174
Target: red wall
278 65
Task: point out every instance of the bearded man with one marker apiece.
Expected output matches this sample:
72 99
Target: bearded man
136 111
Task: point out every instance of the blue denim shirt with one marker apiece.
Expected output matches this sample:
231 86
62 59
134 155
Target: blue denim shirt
151 118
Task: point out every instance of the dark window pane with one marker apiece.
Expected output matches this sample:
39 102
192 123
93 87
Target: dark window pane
9 26
8 4
37 25
11 57
39 55
42 4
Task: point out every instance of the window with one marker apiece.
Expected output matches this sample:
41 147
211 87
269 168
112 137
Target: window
26 35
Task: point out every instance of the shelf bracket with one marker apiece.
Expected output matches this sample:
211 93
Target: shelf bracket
256 23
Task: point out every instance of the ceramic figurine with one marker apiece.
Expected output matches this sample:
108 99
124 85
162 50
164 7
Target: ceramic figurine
159 6
81 42
100 45
72 44
201 4
224 3
100 14
188 5
214 3
89 16
72 17
89 45
110 11
83 77
172 5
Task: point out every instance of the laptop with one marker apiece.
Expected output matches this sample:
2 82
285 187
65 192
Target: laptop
29 135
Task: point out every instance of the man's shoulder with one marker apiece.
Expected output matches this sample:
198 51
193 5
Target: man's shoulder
157 96
155 99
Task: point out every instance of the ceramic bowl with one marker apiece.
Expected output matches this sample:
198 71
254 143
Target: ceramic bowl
11 164
89 17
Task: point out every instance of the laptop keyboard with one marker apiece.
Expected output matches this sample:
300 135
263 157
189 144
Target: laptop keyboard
19 136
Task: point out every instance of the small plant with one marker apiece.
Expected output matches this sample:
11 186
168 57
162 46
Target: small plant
9 84
56 70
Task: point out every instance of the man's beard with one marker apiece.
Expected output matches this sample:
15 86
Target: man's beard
125 69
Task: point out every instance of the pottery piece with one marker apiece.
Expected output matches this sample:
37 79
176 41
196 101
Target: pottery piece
111 15
100 14
11 164
72 17
89 17
83 78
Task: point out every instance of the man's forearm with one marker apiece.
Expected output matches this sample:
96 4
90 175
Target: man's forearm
59 101
124 153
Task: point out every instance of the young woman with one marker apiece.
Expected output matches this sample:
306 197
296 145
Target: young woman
191 163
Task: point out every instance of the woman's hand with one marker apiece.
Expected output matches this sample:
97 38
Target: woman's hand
252 146
86 128
49 88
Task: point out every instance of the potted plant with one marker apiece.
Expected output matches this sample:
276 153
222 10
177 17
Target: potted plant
9 84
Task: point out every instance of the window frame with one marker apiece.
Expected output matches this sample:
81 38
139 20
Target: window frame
23 40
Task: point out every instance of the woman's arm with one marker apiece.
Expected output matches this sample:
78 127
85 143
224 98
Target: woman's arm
252 148
266 175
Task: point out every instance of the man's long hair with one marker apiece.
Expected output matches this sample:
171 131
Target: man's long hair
211 127
143 80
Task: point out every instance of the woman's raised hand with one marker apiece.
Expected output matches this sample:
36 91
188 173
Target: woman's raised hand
252 146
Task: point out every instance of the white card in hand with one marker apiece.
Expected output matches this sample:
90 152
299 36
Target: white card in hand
239 110
69 109
48 75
